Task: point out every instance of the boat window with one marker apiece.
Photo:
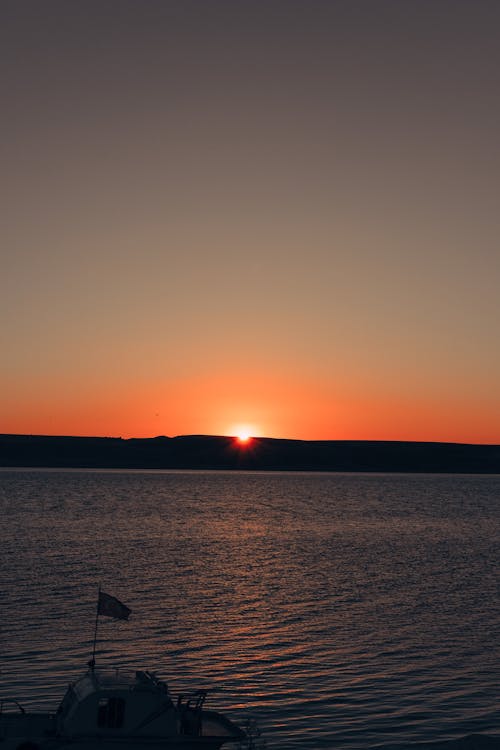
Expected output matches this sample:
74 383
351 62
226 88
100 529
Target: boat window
111 713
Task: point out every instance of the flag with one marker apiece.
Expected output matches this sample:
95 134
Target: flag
109 606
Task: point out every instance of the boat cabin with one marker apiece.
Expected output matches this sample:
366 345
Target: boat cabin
116 703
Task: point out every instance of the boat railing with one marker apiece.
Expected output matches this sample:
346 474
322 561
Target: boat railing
3 701
190 707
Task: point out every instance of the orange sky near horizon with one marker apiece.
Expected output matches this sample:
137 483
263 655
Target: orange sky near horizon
279 407
223 214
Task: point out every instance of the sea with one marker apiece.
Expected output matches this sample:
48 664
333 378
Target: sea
343 611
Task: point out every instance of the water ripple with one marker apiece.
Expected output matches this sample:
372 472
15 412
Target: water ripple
344 611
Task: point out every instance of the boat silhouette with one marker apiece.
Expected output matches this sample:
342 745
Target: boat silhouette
110 708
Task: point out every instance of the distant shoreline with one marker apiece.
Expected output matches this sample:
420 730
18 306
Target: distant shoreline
261 454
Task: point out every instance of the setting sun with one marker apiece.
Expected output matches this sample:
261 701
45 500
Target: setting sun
243 433
243 438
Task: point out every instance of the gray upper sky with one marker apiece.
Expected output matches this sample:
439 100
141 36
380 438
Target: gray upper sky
260 192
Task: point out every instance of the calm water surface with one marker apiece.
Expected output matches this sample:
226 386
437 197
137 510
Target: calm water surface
342 611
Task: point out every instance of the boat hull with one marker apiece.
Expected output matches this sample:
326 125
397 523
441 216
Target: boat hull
141 743
38 732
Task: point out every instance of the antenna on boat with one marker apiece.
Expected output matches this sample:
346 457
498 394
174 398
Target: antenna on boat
92 661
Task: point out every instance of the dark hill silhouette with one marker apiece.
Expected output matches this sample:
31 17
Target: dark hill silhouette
215 452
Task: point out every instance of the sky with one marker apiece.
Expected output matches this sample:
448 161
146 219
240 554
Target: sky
250 215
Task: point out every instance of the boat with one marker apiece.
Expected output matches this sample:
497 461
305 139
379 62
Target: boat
112 708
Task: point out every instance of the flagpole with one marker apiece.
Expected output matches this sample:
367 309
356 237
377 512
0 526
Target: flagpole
92 661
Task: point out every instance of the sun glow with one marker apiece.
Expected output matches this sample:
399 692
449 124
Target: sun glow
243 438
243 433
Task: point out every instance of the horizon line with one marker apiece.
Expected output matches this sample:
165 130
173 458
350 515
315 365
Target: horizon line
251 438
